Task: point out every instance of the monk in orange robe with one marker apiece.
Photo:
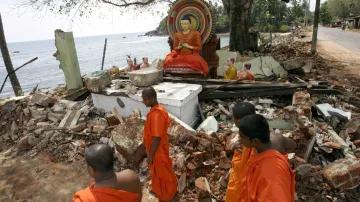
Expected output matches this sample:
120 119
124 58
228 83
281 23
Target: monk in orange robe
109 186
247 74
240 159
164 182
187 47
268 174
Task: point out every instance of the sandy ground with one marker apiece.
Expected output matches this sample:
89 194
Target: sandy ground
344 61
34 178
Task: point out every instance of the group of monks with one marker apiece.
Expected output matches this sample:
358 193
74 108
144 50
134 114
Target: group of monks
231 72
131 66
260 169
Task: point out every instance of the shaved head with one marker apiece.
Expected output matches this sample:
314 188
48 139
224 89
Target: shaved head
243 109
149 93
100 157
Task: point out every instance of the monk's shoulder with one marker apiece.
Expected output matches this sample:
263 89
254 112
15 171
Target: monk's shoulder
128 181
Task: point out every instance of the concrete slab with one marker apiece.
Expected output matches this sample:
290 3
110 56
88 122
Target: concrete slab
266 66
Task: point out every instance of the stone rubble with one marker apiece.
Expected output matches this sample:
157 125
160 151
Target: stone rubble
326 160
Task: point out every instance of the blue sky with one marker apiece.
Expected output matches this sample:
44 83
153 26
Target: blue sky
20 25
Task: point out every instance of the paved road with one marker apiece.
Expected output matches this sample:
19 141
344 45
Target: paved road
346 39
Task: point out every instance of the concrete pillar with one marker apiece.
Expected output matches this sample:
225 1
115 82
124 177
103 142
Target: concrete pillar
66 54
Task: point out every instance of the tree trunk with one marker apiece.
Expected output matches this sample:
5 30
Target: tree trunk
240 13
316 26
7 61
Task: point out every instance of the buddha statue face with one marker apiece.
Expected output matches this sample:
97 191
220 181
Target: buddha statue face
185 24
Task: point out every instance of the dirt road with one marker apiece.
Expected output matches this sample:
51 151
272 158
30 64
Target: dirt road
341 49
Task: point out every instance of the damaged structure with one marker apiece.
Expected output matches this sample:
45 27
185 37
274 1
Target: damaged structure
291 92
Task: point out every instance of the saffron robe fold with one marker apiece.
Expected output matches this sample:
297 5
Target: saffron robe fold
164 182
268 178
237 174
101 194
186 57
248 75
231 73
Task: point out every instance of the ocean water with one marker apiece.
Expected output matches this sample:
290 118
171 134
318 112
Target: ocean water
46 72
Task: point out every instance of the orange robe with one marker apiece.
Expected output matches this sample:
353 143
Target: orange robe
248 75
237 174
101 194
187 57
268 178
164 182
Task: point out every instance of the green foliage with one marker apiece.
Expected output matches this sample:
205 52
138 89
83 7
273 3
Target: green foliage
324 15
269 28
284 28
343 8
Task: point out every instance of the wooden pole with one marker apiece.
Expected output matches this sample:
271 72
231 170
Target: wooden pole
316 26
7 61
103 59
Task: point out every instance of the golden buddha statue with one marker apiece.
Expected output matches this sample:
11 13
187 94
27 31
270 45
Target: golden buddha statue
187 47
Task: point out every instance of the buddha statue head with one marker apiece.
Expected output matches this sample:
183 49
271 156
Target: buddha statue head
186 23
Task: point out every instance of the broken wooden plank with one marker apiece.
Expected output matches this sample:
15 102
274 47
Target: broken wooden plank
222 108
65 119
201 113
75 119
310 147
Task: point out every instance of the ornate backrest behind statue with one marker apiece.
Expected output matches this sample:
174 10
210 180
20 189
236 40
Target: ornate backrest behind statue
202 20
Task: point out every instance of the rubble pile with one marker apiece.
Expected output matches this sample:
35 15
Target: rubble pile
60 128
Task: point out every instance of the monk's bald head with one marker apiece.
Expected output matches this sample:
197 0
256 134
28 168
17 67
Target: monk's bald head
241 110
100 157
149 93
149 97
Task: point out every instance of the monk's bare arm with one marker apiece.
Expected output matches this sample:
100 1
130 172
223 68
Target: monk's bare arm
154 146
289 144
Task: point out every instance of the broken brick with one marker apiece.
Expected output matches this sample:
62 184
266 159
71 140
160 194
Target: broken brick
112 120
42 100
204 142
343 173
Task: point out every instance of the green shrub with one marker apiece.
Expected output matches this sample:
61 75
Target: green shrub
268 28
284 28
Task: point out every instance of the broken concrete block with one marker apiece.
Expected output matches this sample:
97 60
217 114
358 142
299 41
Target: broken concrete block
182 183
97 81
265 66
307 67
128 138
66 54
146 77
210 124
130 89
343 173
157 64
99 129
180 130
180 161
42 100
203 187
296 63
